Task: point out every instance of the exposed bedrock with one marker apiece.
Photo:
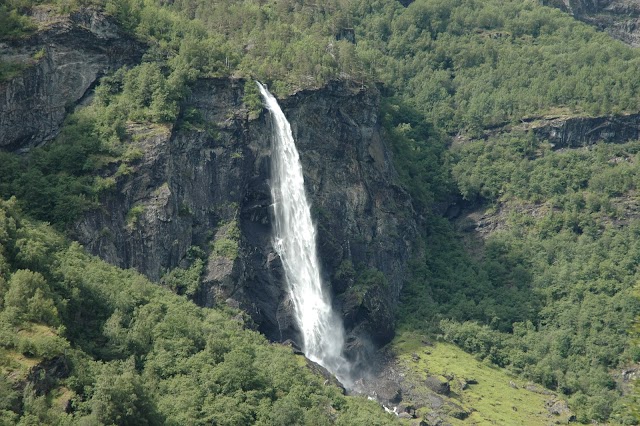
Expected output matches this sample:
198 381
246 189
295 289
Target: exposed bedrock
198 182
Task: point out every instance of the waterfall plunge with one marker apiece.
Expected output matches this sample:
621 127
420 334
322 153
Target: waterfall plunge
295 242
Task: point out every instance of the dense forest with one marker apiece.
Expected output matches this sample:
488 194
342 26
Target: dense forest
550 295
126 351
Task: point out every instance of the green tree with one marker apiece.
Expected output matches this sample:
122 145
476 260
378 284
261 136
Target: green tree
121 398
25 287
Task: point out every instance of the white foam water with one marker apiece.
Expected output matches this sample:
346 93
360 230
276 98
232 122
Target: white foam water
294 240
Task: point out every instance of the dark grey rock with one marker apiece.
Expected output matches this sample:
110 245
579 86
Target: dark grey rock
46 375
408 409
585 131
532 387
463 384
620 18
456 411
389 393
78 49
294 346
432 420
348 34
438 384
630 374
192 183
557 407
329 378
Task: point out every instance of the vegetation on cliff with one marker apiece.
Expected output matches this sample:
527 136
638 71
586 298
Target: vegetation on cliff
113 348
549 295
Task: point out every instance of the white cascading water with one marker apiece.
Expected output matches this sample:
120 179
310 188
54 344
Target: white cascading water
295 242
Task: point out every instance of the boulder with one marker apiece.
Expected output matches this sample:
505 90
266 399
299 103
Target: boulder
45 376
557 407
438 384
329 378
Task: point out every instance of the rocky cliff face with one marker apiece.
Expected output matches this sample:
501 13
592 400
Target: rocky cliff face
201 188
64 59
204 184
620 18
572 132
584 131
363 216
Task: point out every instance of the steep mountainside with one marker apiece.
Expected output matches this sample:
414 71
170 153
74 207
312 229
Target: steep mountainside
205 184
202 182
620 18
64 59
473 169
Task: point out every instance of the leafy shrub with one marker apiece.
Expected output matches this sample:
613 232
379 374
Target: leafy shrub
184 281
12 23
133 215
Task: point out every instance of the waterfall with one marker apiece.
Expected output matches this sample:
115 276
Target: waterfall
295 241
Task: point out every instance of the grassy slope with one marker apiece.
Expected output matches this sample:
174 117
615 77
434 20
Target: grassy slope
493 400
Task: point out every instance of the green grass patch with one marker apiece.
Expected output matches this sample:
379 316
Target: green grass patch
225 247
16 364
133 216
13 24
9 70
226 242
497 398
